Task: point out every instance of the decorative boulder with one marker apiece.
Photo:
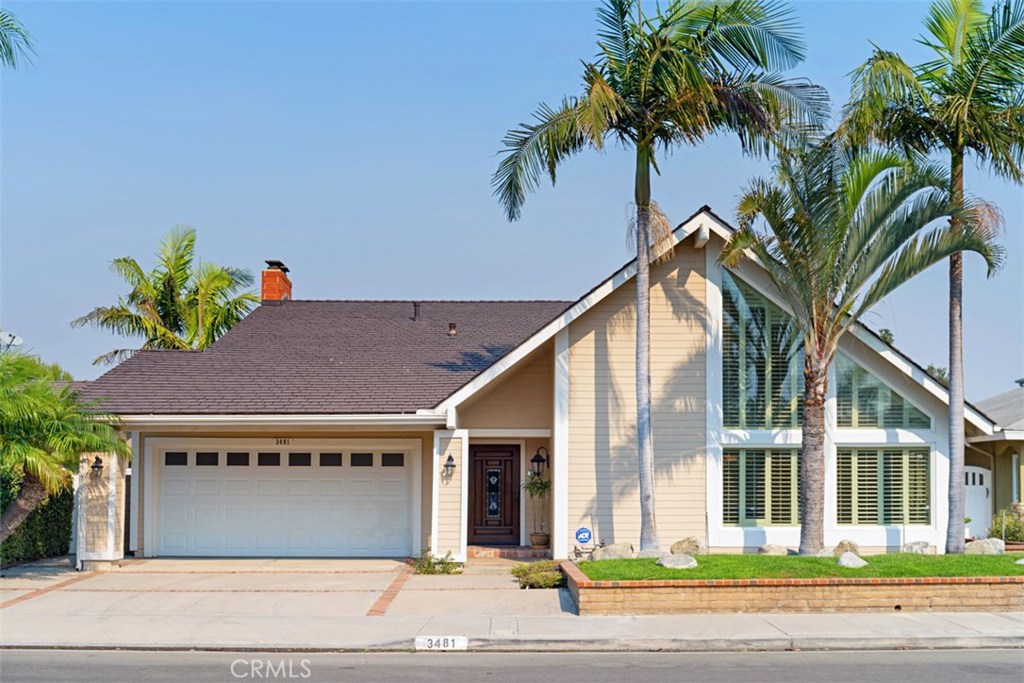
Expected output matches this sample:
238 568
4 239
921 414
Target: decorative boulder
851 561
691 545
654 552
824 552
916 547
1020 561
677 561
986 546
615 551
772 549
846 546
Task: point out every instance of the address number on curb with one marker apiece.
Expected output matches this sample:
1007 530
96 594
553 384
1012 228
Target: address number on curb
442 642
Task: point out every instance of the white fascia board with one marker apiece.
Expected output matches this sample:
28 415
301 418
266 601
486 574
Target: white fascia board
1004 435
407 420
702 221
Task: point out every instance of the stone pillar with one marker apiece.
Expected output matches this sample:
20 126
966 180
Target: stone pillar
100 518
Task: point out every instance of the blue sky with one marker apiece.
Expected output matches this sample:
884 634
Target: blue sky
355 142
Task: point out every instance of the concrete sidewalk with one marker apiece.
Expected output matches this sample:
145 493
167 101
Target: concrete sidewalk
320 605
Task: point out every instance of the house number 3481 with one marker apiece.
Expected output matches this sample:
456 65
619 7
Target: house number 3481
281 441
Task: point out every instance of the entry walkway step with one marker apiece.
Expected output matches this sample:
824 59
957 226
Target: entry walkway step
511 552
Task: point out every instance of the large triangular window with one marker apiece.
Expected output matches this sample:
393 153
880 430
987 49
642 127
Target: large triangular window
863 401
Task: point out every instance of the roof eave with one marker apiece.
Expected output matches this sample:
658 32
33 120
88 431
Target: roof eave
281 420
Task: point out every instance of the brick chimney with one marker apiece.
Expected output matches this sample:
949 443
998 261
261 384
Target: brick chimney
275 286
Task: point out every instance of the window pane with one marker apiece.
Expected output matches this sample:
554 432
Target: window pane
207 459
753 487
760 487
238 459
762 359
330 460
731 487
889 486
300 459
175 459
268 459
392 460
362 460
864 401
844 487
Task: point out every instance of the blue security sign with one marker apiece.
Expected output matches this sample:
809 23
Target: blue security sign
583 535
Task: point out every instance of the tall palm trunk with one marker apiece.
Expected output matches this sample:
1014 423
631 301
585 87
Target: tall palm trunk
644 432
955 527
31 496
812 471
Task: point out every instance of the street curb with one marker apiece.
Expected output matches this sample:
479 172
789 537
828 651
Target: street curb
783 644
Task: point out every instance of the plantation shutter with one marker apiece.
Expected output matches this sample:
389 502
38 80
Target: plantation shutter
760 487
732 390
784 486
845 492
731 487
883 487
762 359
863 401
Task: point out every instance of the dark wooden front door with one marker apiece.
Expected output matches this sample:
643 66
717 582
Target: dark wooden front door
494 495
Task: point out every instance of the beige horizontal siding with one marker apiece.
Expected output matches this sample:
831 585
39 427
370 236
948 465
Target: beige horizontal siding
449 498
523 400
602 407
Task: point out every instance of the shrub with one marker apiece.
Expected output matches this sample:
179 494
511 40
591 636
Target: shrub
543 574
428 564
1014 526
46 532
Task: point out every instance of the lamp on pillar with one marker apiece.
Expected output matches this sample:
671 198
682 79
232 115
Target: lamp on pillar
539 461
449 465
97 465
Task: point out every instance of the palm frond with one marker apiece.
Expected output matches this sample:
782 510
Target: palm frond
534 149
15 40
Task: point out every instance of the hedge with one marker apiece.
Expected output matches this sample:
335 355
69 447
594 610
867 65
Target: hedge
46 532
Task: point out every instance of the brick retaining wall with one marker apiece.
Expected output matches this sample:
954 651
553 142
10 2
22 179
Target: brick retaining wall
933 594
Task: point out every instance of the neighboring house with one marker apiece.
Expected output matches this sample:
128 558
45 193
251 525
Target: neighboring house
994 470
378 428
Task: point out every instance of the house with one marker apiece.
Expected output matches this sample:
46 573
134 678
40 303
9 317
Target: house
379 428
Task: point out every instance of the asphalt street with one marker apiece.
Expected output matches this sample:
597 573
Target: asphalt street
941 666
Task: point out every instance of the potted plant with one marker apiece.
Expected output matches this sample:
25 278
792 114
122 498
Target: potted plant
967 528
537 487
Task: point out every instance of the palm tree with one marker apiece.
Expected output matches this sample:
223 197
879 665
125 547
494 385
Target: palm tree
179 304
15 41
843 232
969 100
44 430
694 69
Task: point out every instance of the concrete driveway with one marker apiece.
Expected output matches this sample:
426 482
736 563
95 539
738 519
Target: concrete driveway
251 603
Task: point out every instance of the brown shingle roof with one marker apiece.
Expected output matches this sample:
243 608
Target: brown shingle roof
326 357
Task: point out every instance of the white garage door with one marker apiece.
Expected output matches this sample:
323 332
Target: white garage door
295 502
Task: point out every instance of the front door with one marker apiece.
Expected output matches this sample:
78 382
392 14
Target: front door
494 495
978 504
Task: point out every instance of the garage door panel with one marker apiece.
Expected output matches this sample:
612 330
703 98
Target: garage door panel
236 487
300 488
330 488
176 487
268 487
207 487
284 510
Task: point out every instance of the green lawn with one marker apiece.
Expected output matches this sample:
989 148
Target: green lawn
793 567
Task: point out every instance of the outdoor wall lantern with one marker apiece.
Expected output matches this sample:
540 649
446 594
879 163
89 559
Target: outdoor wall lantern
97 465
540 461
449 465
